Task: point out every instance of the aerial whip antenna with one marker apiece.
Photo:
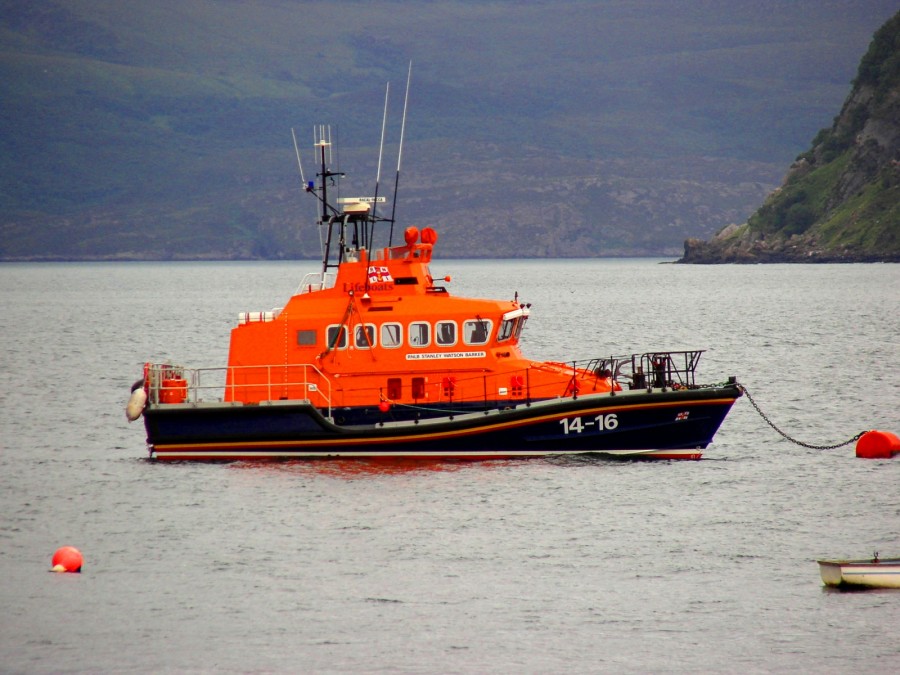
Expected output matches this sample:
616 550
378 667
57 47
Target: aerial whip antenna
299 163
400 153
387 91
370 224
306 186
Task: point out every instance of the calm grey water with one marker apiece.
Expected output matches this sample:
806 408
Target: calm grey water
578 565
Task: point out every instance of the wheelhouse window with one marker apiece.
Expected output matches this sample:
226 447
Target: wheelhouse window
337 337
476 331
419 334
306 338
364 336
511 327
445 333
391 335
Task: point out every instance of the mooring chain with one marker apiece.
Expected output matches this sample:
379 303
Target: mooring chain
794 440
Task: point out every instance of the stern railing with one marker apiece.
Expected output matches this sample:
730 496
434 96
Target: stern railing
167 383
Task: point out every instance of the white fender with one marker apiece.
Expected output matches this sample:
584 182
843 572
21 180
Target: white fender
136 404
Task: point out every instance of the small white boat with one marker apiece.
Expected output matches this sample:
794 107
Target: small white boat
871 573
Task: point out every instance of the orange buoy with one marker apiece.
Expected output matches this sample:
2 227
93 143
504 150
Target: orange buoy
384 406
877 445
67 559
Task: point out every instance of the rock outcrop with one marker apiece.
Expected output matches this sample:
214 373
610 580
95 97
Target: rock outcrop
839 201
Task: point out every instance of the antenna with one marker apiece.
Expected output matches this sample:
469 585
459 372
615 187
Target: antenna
387 91
309 187
322 137
370 234
299 163
400 153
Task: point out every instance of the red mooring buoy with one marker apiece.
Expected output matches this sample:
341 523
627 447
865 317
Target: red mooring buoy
67 559
877 445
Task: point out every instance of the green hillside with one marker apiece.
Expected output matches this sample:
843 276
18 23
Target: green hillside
162 130
841 199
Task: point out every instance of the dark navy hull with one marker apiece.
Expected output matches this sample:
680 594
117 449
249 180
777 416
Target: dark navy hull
672 424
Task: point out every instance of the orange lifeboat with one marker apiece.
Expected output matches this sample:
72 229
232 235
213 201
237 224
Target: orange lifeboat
372 356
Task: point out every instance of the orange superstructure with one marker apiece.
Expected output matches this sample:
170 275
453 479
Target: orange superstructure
382 331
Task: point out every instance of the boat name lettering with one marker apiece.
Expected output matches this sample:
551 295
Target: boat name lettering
444 355
578 424
360 287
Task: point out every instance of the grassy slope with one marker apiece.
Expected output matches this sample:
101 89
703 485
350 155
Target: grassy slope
811 202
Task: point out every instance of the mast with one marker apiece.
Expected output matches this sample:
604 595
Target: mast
322 141
362 221
400 155
309 187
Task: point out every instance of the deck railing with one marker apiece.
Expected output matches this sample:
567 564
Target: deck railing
651 370
302 381
316 281
176 384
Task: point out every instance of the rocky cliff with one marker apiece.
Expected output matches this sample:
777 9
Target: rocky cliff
839 201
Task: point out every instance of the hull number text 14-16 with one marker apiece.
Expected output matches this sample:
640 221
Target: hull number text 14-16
577 424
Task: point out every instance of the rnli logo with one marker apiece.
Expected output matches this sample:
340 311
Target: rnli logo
380 275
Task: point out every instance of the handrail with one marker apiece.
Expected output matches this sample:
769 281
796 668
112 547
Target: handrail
316 281
660 370
168 383
664 369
